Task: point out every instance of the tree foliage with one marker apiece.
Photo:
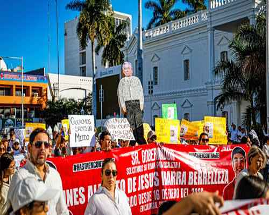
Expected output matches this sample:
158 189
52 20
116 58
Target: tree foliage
55 111
245 74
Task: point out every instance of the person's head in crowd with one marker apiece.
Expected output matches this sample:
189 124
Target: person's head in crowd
238 160
127 69
165 206
256 160
252 187
239 128
233 126
12 134
151 137
114 144
2 148
31 196
105 141
38 146
76 150
246 140
229 142
7 168
267 140
203 139
124 143
109 174
16 144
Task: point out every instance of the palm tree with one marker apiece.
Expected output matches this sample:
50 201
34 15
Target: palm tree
93 24
245 76
163 12
195 5
112 53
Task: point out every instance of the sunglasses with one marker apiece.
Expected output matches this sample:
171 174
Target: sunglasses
205 140
108 172
38 144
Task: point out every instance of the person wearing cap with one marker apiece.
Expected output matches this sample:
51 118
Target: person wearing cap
238 164
16 147
151 137
31 196
36 166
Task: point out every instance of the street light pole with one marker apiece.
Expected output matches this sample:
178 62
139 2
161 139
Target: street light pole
57 32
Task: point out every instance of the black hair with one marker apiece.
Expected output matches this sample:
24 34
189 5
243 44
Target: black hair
103 134
36 132
244 139
5 161
238 150
256 188
200 137
165 206
106 161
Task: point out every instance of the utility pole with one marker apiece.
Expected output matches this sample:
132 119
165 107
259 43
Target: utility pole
139 44
267 61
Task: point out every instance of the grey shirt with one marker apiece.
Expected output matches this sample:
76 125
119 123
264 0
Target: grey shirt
101 203
57 205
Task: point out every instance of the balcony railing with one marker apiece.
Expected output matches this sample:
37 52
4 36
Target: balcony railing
196 18
219 3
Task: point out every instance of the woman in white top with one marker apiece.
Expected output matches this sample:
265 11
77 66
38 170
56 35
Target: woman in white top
7 167
256 161
108 199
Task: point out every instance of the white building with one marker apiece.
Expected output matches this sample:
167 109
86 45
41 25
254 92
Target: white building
179 58
78 62
71 87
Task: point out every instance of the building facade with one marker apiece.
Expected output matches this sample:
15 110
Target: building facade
71 87
179 60
12 100
78 61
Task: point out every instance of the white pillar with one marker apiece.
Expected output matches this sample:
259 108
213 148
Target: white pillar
211 66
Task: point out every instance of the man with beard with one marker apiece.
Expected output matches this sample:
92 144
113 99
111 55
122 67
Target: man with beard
36 166
238 164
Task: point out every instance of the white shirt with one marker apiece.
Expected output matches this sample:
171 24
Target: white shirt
53 180
101 203
129 89
234 134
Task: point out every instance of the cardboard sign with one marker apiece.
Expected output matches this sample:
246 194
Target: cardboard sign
65 124
189 130
215 127
119 128
81 130
29 127
169 111
146 128
167 130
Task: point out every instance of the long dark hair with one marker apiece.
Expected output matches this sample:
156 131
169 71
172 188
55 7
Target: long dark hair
5 161
256 188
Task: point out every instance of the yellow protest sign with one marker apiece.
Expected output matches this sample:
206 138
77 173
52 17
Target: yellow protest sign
65 124
189 130
167 130
29 127
215 127
146 128
200 125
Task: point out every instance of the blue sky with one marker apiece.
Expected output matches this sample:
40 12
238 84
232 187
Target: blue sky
25 29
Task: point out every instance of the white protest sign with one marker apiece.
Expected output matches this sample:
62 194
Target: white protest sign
119 128
81 130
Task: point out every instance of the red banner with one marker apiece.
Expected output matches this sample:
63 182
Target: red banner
148 174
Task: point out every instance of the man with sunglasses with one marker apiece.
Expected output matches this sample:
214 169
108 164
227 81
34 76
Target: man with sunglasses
36 166
203 139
